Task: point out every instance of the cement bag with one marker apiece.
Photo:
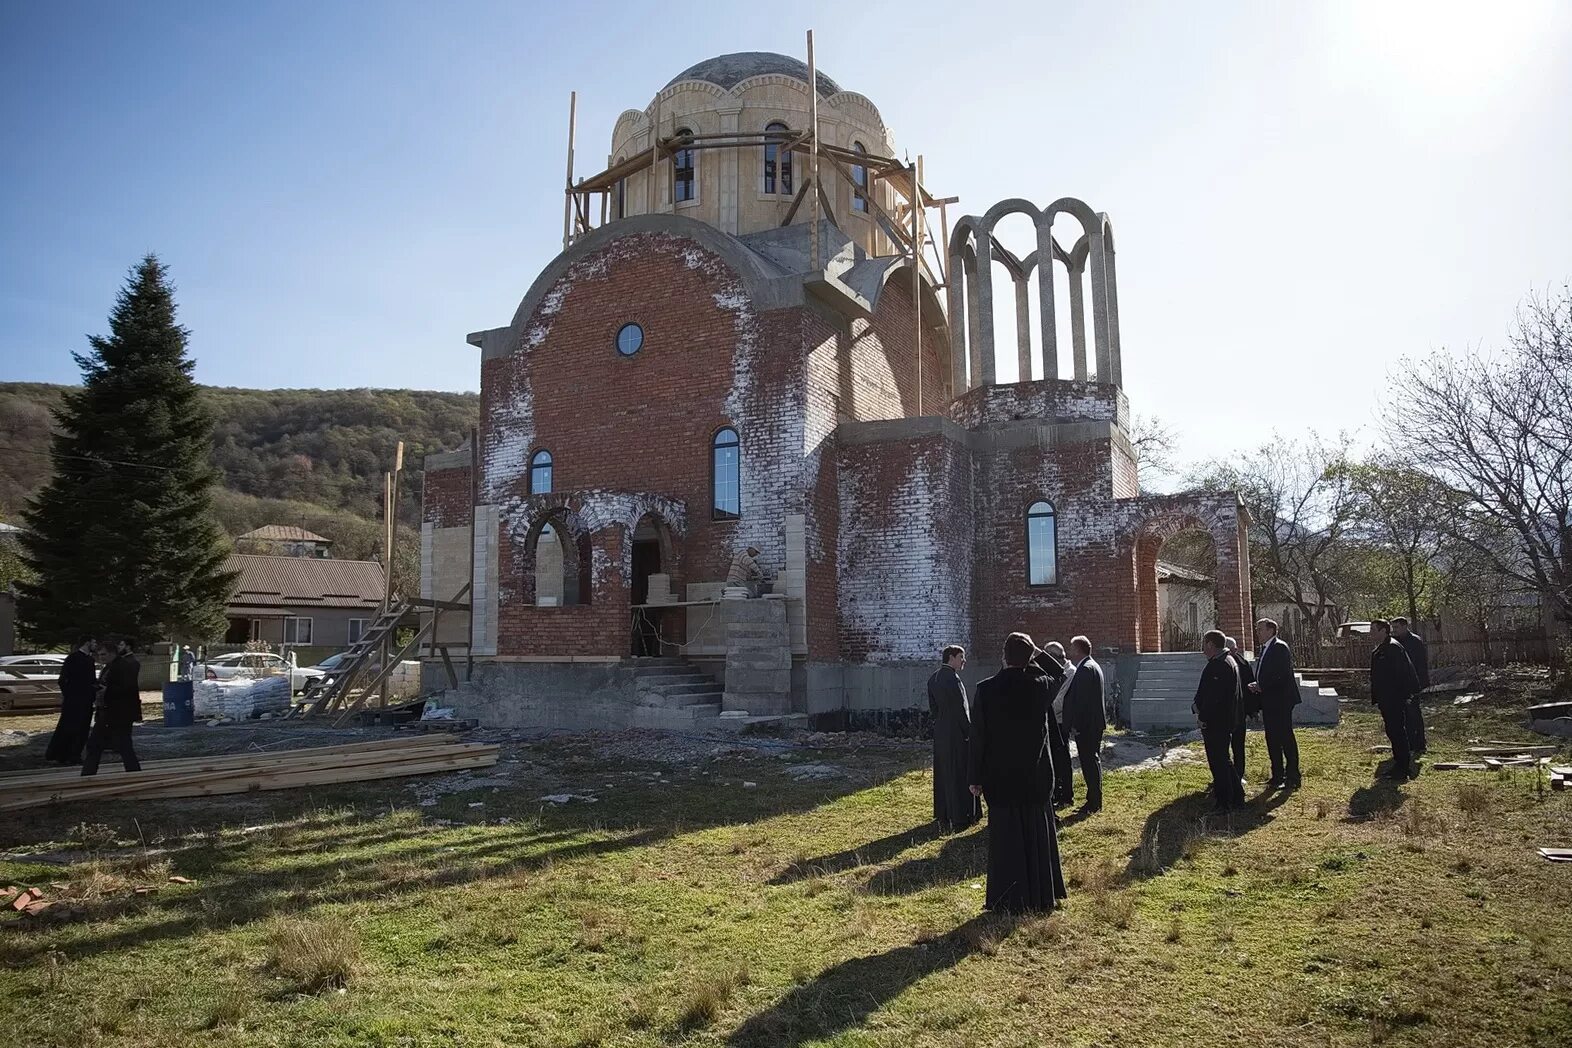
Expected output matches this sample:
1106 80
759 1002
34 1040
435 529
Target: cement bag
207 696
268 695
240 698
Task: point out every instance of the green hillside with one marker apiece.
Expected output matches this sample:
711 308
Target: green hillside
312 457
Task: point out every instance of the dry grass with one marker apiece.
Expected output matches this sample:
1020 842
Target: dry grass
1473 798
1116 909
708 997
318 952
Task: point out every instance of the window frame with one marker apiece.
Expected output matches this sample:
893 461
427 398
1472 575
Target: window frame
616 340
296 620
350 636
550 466
777 168
716 512
692 167
1052 515
859 173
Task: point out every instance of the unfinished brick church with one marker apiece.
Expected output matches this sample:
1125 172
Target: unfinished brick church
764 331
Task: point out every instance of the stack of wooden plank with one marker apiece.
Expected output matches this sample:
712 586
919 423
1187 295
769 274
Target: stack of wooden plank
1560 777
246 772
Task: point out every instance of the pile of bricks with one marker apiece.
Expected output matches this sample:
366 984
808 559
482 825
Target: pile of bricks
660 590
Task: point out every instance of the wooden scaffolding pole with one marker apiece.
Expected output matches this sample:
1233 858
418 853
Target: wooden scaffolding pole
649 181
813 164
387 599
474 499
567 190
917 219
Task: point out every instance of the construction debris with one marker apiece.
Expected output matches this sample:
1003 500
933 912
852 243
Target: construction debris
1512 749
248 772
1456 766
1557 854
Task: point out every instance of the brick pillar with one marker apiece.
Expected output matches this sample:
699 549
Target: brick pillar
1149 627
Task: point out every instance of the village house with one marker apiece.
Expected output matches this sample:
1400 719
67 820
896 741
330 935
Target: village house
733 357
291 603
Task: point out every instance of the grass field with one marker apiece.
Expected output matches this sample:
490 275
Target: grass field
686 907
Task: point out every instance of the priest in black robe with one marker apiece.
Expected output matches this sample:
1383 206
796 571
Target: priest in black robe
1051 660
78 692
1011 764
954 807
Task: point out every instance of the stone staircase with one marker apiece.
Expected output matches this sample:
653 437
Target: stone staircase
1165 685
672 693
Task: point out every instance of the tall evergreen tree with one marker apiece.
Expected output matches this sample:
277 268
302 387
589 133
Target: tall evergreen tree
123 538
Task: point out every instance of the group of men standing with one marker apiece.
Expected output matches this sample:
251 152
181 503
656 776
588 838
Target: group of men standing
97 710
1230 692
1075 685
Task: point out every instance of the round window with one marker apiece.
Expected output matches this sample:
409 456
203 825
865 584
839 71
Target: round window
629 339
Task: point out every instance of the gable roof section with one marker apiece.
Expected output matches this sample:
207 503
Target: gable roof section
304 582
284 533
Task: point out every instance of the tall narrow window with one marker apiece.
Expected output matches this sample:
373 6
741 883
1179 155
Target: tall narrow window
1042 548
777 160
540 472
859 180
622 199
683 163
726 455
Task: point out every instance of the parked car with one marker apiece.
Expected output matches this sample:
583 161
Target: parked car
19 677
256 664
402 682
1353 629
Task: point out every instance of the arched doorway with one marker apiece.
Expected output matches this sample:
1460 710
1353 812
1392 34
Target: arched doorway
1189 571
653 553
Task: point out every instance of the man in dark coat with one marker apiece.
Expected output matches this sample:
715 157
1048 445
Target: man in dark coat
1419 655
78 690
1055 668
1392 683
1278 691
1085 721
954 807
120 706
1011 766
1217 708
1249 705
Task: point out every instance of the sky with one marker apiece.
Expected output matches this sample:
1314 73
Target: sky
1304 195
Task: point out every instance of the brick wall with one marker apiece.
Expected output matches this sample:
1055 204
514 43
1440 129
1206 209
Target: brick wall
445 497
1048 400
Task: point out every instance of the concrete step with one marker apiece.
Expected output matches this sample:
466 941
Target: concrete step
704 710
677 702
685 687
653 672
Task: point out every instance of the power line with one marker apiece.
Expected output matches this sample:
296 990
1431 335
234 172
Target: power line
85 458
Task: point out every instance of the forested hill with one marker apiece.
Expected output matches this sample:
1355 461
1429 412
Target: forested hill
313 457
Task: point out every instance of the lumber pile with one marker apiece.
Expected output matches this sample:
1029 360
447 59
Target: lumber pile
247 772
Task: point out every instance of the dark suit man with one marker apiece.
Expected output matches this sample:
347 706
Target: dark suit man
1055 668
119 707
1085 721
1419 655
1249 705
1217 708
954 807
1278 691
78 691
1393 683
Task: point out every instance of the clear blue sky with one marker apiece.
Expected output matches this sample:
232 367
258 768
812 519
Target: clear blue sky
343 190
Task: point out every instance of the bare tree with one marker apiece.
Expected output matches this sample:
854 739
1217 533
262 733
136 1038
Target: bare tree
1156 447
1299 498
1496 429
1408 517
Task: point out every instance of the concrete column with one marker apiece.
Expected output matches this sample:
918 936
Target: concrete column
1114 356
955 298
1077 276
730 181
984 299
1097 262
1045 299
758 657
1023 329
973 322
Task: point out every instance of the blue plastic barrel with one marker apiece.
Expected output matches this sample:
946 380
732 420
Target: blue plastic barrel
178 707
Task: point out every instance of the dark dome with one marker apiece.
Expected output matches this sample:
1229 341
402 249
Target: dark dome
728 71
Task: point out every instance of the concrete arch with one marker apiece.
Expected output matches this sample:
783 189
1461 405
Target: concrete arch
1109 275
576 587
960 293
1092 229
1043 222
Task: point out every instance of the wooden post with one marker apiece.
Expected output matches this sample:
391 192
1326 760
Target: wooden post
567 190
917 217
387 603
474 498
649 180
813 163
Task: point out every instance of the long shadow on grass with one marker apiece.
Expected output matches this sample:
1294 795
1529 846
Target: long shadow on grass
872 853
238 883
1170 829
961 858
843 997
1381 796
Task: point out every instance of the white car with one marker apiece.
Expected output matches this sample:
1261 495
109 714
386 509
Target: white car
256 664
33 667
23 669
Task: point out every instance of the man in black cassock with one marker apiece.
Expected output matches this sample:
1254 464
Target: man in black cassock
1012 769
954 807
119 707
1217 707
1249 704
1392 683
78 690
1055 667
1419 655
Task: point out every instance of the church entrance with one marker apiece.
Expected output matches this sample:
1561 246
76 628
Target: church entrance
651 556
